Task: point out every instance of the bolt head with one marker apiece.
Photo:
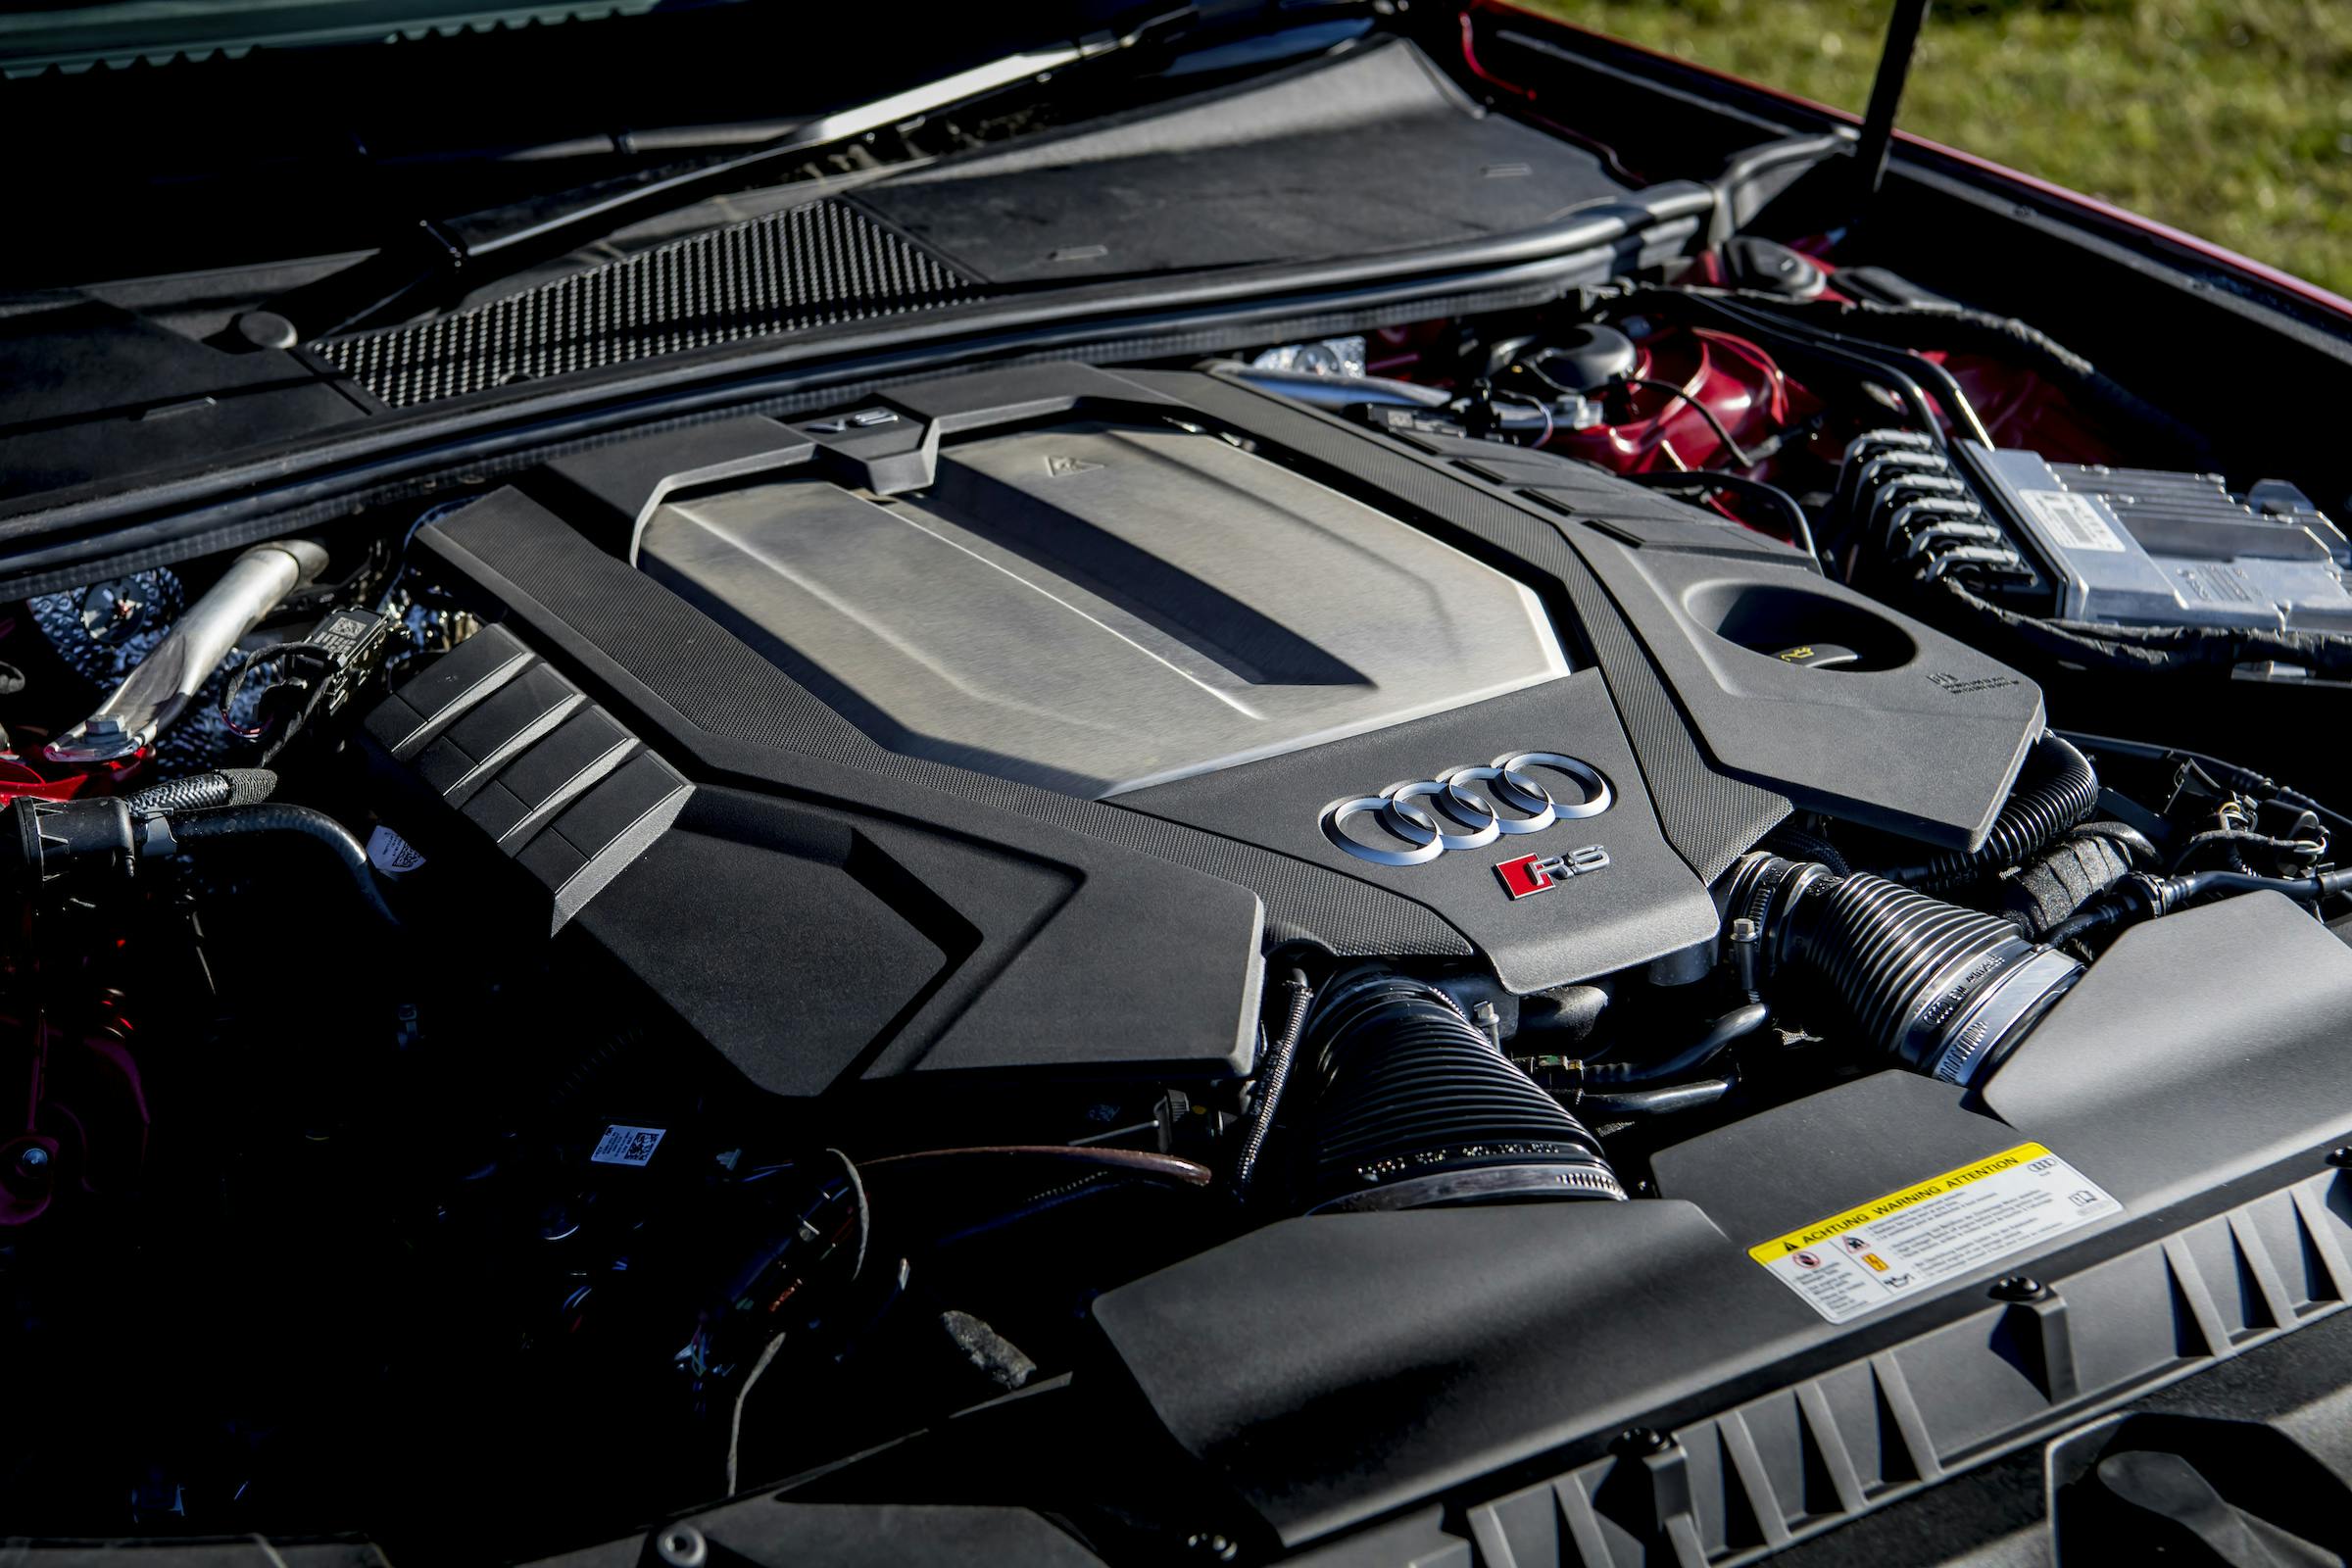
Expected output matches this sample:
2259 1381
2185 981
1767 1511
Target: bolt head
682 1546
1644 1439
266 329
2018 1287
2340 1159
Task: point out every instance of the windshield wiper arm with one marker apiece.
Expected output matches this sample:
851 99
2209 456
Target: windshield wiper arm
443 255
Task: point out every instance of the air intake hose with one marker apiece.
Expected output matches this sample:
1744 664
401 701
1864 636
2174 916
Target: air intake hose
2063 793
1945 991
1415 1108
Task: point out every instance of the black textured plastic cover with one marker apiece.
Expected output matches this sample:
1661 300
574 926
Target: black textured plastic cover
1390 1360
809 266
980 911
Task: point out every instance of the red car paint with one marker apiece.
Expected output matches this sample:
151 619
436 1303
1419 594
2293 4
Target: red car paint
1733 379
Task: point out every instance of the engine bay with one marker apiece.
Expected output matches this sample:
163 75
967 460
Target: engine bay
1045 932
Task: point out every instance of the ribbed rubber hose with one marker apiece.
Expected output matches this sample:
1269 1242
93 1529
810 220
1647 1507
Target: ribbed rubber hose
1886 949
231 822
2067 791
1416 1107
1925 980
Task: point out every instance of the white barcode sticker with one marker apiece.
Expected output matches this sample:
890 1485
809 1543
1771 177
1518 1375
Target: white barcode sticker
628 1146
2071 520
391 853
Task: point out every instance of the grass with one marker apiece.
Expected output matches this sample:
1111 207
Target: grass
2230 119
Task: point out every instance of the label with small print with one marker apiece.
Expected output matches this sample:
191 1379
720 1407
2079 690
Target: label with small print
391 853
628 1146
1895 1248
2073 520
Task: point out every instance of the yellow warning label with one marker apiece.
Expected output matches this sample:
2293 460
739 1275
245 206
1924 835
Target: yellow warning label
1879 1208
1893 1248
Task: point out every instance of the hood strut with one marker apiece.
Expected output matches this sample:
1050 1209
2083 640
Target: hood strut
1887 92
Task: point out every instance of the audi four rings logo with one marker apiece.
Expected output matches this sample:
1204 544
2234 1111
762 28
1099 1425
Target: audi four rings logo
1416 821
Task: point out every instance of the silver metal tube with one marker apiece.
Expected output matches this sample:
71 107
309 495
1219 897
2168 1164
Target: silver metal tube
152 695
1341 391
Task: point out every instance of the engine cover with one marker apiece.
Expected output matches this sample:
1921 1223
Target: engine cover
1097 608
1002 722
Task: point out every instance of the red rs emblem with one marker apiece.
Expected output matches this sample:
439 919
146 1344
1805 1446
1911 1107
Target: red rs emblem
1531 874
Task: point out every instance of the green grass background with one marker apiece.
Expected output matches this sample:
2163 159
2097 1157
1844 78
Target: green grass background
2230 119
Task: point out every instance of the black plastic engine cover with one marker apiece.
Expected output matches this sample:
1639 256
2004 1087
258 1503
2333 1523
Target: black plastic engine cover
2197 1074
753 721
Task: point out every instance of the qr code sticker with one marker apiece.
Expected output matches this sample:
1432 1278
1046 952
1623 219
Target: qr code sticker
628 1146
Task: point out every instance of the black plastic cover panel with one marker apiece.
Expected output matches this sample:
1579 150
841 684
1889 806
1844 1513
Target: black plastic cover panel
552 780
812 945
1502 1335
1922 734
2243 1073
819 264
1371 150
1023 704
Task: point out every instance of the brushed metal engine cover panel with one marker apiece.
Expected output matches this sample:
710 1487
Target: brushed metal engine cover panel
1100 607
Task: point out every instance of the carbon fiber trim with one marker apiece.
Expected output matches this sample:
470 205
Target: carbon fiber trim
811 265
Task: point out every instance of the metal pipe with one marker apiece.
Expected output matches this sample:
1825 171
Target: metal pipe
1338 391
152 696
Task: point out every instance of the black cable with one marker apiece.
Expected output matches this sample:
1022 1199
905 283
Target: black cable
239 821
1797 844
1139 1161
1963 412
1739 453
315 685
2247 839
1897 368
1794 340
1273 1074
1957 326
2150 898
1947 385
1757 315
1801 528
2150 649
1733 1025
2227 774
1527 400
1658 1101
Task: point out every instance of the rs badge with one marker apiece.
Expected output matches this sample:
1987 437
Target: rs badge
1531 874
